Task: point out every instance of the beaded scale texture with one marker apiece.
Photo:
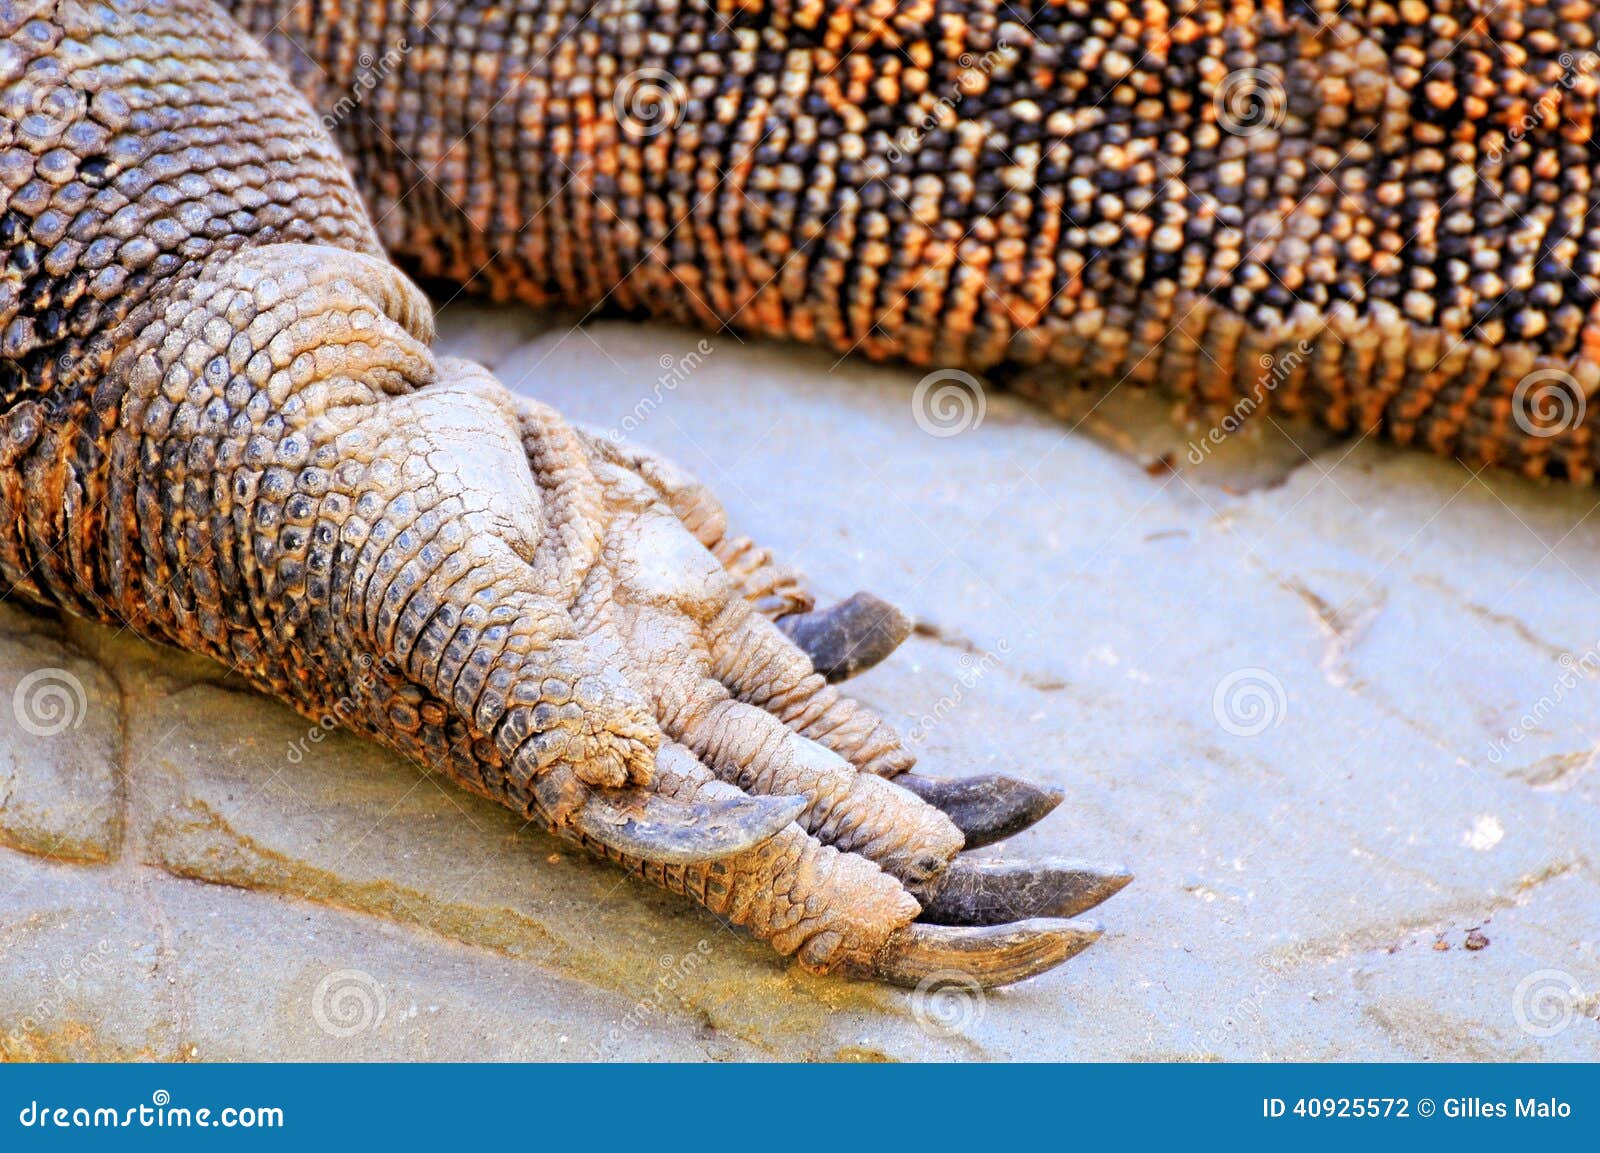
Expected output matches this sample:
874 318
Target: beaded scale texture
1385 208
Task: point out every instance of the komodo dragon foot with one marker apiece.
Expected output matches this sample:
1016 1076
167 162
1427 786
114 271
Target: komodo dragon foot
770 796
560 622
222 425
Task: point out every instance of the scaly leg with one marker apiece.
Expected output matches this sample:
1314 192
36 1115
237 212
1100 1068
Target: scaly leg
532 618
221 403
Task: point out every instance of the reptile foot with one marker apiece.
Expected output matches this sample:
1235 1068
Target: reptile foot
976 892
850 637
985 808
992 956
462 574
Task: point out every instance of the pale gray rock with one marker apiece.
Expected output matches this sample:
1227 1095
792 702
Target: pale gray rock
60 733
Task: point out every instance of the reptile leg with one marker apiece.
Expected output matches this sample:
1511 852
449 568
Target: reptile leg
728 685
661 607
251 453
456 563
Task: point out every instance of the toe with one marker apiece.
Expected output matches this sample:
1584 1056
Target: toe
849 637
989 957
975 892
986 808
642 824
762 667
855 812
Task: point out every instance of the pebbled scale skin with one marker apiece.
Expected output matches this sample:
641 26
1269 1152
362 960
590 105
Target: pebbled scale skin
1376 214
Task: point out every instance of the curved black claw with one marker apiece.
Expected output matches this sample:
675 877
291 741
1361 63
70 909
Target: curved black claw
850 637
973 892
986 957
986 808
654 828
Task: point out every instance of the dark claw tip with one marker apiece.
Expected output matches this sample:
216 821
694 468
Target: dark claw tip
650 827
850 637
984 957
985 808
971 892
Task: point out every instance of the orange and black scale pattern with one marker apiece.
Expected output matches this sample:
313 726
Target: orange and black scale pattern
1377 214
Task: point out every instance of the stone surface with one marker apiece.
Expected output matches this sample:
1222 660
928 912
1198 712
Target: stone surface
1333 703
58 745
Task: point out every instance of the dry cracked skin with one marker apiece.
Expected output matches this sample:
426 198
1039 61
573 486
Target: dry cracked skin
221 423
